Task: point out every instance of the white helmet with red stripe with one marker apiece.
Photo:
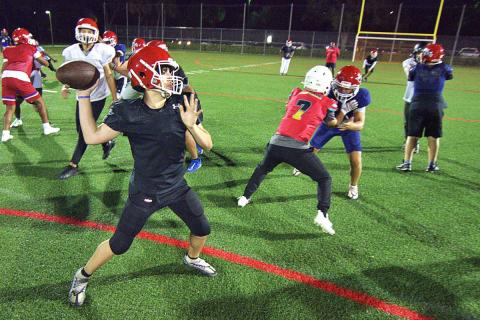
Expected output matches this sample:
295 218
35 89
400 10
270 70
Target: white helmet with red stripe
83 36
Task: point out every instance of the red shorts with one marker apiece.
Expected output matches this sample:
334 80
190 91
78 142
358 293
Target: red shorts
12 87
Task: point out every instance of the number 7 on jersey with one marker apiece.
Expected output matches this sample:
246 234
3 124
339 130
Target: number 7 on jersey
304 106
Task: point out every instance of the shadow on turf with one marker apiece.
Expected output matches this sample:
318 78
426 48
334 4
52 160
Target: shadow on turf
264 234
74 206
418 286
231 202
405 223
285 303
233 183
59 291
408 287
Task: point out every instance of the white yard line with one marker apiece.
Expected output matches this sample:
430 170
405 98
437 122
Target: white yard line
229 68
50 91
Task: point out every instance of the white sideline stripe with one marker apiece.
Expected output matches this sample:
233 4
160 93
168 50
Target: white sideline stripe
229 68
50 91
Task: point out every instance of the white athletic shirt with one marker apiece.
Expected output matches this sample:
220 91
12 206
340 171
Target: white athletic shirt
99 55
36 76
408 65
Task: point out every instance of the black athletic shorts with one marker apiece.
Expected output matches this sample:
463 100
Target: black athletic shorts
425 116
330 65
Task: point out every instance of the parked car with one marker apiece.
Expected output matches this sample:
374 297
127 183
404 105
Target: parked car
469 52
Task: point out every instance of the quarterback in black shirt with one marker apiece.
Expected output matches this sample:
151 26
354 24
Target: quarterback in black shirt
155 127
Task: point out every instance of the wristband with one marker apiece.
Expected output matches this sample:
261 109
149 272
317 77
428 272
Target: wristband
83 97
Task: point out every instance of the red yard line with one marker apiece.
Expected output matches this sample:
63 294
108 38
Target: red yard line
288 274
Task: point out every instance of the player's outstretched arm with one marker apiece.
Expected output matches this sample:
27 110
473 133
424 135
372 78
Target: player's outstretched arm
42 60
91 133
122 69
189 117
110 81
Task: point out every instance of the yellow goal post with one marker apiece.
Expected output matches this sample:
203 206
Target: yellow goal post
393 36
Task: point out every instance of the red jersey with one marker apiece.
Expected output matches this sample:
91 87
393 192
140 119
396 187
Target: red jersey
19 59
332 54
305 112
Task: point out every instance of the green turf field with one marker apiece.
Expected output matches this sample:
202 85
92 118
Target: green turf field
411 239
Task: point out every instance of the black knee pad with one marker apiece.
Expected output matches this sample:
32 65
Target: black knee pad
120 242
200 228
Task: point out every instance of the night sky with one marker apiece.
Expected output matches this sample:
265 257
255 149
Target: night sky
309 15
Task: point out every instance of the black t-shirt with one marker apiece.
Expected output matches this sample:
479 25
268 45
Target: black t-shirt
157 141
370 60
287 52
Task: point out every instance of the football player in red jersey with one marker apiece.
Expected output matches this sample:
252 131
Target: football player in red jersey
305 111
16 69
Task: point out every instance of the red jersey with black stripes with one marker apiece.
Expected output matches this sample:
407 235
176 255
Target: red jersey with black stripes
305 112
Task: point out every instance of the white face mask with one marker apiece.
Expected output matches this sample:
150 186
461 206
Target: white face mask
86 37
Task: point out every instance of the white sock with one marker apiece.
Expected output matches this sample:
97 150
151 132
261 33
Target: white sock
46 125
5 132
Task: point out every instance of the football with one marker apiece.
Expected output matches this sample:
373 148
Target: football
78 74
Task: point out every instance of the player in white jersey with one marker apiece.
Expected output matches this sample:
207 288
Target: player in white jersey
101 55
409 64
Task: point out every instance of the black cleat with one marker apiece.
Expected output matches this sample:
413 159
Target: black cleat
432 168
68 172
107 148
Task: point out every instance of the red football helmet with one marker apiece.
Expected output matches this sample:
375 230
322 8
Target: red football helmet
146 70
433 53
110 38
22 35
137 44
86 37
158 43
350 78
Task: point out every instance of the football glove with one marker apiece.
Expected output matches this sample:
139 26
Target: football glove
349 106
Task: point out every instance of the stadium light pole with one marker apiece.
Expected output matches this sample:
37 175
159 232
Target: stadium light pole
50 19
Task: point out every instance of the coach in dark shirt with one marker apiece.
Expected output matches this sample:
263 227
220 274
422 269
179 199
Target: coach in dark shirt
426 110
155 127
287 52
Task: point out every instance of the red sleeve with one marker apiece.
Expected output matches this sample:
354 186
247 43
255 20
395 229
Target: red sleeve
332 105
33 49
6 53
294 93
